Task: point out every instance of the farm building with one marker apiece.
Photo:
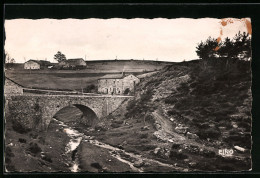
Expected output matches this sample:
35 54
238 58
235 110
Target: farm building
77 63
36 64
117 84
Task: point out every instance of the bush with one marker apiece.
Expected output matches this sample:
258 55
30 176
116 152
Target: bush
143 135
41 140
33 135
209 133
114 125
175 146
177 156
8 152
145 147
47 158
208 154
34 148
118 122
171 112
170 100
96 165
90 89
21 140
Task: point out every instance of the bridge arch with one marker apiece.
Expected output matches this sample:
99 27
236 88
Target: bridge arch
77 113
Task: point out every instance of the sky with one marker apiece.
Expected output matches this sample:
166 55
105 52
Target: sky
101 39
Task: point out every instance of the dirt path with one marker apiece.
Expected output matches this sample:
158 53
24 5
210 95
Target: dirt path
168 130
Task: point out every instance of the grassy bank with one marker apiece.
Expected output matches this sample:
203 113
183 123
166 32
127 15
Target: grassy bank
31 151
95 159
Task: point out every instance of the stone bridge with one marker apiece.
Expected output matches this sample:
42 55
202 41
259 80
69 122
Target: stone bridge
36 111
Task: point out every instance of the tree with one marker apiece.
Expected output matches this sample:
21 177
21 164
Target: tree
227 49
237 48
7 57
207 50
59 57
12 60
242 44
8 60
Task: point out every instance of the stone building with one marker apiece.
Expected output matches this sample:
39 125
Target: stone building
32 64
118 84
12 87
77 63
36 64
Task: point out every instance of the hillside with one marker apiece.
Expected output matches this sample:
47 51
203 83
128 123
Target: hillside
184 115
78 79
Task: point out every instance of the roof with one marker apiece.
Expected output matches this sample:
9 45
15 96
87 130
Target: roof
112 76
76 61
41 62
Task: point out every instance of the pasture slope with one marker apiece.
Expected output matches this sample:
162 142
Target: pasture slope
78 79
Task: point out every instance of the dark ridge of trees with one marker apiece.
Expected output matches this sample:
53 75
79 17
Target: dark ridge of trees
238 48
228 54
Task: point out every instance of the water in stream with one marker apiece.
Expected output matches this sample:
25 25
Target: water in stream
77 138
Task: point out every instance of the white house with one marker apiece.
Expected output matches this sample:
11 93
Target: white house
32 64
117 84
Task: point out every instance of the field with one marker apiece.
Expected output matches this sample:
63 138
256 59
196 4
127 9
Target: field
78 79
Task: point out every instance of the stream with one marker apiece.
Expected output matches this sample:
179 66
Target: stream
76 138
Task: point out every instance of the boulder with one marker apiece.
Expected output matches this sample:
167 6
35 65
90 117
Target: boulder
240 148
138 163
192 136
157 126
192 164
156 150
145 128
181 130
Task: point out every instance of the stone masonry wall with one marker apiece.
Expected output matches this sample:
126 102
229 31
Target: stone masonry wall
12 88
36 111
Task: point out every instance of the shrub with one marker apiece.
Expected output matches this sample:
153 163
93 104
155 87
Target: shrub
170 100
47 158
33 135
143 135
41 140
118 122
34 148
96 165
8 152
208 154
171 112
90 89
149 118
114 125
175 146
209 133
244 124
202 126
176 155
145 147
184 88
21 140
